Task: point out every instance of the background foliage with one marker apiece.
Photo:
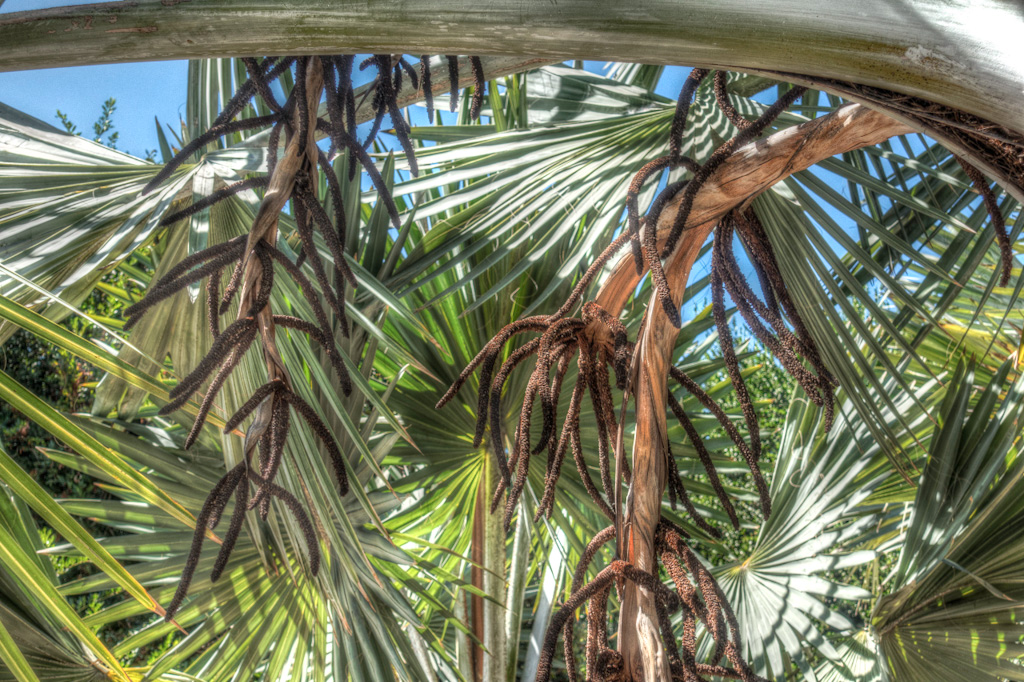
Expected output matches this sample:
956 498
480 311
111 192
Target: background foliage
857 574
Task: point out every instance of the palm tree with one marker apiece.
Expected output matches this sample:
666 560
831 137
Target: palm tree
486 251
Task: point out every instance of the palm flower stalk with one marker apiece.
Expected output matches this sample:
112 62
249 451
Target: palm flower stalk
293 176
602 349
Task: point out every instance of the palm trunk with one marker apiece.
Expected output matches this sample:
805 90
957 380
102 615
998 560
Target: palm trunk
495 656
639 638
514 595
476 576
489 657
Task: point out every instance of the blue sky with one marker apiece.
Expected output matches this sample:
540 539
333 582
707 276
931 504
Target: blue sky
147 91
142 91
157 90
80 92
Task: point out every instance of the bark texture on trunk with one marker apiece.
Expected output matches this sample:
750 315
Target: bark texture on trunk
750 171
639 636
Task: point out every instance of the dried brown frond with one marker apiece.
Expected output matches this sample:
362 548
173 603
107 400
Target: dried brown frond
705 459
998 224
690 85
477 102
212 508
206 138
214 388
561 622
320 430
301 518
273 402
342 139
219 195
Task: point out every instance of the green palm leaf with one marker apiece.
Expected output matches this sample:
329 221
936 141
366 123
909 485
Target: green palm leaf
506 217
42 636
225 619
952 611
353 592
69 209
781 590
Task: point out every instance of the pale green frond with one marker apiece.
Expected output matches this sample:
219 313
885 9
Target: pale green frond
42 633
953 609
782 590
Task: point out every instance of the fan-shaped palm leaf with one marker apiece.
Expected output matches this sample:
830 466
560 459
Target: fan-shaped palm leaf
952 612
820 484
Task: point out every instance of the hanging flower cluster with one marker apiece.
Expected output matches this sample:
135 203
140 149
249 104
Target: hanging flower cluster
293 177
600 344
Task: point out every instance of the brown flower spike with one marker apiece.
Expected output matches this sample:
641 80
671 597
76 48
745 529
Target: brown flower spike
601 345
292 177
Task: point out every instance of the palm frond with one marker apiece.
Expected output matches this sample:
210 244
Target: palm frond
952 611
781 590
